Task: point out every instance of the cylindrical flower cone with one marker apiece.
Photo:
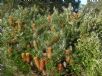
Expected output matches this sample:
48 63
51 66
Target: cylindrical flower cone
42 65
37 62
23 56
49 18
19 24
49 52
60 67
11 20
33 27
28 57
35 45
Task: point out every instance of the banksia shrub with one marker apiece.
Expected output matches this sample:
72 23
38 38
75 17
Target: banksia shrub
54 45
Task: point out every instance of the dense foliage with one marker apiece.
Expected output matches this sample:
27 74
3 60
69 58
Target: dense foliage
59 44
42 5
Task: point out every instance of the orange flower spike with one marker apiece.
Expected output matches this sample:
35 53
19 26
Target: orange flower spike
33 27
37 62
23 56
11 20
35 44
19 25
60 67
49 18
28 57
49 52
42 65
